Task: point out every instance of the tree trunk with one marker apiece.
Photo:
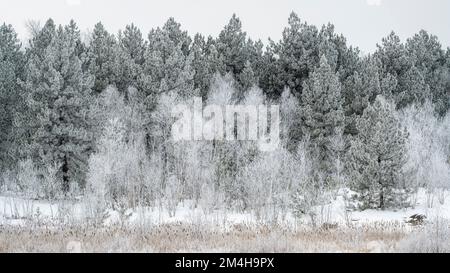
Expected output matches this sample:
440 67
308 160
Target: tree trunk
381 206
65 175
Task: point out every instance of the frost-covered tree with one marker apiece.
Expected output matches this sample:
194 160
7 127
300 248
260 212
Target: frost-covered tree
427 142
268 182
239 54
410 85
39 42
167 79
310 192
429 58
120 172
167 66
120 169
161 131
377 158
298 54
231 44
11 67
225 153
41 39
202 69
393 56
132 42
244 152
359 90
322 117
57 93
290 122
102 57
247 78
412 89
129 58
185 164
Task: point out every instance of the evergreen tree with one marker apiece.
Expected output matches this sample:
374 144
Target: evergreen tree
58 94
388 83
322 117
290 113
239 54
167 74
410 84
102 58
231 45
247 78
393 56
40 41
35 54
299 53
168 64
200 65
359 90
11 67
129 58
269 73
132 42
214 59
377 157
412 89
429 59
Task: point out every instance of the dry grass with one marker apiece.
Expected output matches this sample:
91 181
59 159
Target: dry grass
178 237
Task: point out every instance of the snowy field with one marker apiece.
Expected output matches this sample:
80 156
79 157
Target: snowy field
41 226
19 211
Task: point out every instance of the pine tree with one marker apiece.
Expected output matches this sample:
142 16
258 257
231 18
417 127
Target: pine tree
388 84
34 56
231 45
102 58
247 78
11 68
200 65
240 55
429 58
377 157
322 117
129 58
290 113
359 90
412 89
408 68
393 55
166 60
167 73
42 39
58 94
133 44
299 53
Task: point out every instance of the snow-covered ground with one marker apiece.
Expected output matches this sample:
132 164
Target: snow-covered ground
19 211
39 226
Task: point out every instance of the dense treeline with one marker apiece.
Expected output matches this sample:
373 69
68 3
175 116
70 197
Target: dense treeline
92 117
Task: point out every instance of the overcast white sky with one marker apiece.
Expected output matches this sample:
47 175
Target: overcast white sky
363 22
